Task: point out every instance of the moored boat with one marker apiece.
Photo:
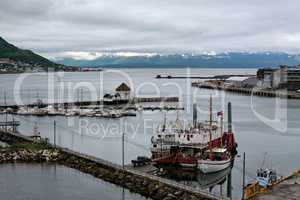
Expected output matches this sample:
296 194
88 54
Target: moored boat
220 160
202 145
216 159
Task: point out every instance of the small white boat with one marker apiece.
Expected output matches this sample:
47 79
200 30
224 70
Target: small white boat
115 114
23 111
70 113
211 166
39 112
52 111
221 160
86 113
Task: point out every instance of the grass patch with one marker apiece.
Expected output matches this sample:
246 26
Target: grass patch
28 146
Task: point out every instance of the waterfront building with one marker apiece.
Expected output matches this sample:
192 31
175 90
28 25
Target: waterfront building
242 81
284 77
121 96
124 91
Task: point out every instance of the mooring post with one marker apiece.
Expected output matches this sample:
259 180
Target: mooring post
54 133
244 171
123 150
229 193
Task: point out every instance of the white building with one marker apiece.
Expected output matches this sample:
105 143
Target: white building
241 81
124 91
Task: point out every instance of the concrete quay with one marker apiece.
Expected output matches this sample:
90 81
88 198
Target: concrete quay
250 91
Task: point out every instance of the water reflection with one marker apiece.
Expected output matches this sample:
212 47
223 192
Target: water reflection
21 181
195 178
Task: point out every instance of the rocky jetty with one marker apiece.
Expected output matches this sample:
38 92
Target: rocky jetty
25 155
23 149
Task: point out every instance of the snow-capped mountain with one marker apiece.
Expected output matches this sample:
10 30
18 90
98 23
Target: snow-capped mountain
209 59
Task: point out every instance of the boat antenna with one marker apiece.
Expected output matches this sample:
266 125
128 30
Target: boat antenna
210 127
264 160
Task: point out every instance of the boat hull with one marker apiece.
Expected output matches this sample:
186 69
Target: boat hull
208 166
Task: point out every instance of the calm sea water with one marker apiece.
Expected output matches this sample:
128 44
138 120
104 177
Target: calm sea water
48 181
267 129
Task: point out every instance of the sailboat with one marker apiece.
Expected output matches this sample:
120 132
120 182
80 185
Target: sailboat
215 159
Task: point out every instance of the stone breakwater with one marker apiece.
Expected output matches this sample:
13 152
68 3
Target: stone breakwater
25 155
145 185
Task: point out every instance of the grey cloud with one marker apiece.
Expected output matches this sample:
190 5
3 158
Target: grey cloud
53 26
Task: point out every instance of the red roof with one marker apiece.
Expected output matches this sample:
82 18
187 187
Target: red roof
123 88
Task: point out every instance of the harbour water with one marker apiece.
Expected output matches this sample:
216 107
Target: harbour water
267 129
49 181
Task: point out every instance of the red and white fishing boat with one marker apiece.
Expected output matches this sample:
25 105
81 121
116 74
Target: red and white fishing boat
202 145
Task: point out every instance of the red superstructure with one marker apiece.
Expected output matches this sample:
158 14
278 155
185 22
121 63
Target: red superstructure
175 146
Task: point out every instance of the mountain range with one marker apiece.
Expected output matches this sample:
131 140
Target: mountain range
222 60
208 60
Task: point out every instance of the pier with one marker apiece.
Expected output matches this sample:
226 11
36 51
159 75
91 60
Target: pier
217 77
96 103
249 91
136 181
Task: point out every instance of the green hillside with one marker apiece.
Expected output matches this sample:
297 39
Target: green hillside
12 52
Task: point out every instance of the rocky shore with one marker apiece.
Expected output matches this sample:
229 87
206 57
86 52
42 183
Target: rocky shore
146 186
25 155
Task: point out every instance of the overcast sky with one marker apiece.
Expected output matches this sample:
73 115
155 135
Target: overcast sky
64 27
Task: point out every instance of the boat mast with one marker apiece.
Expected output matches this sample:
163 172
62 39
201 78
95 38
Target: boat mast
222 129
210 127
165 121
195 115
